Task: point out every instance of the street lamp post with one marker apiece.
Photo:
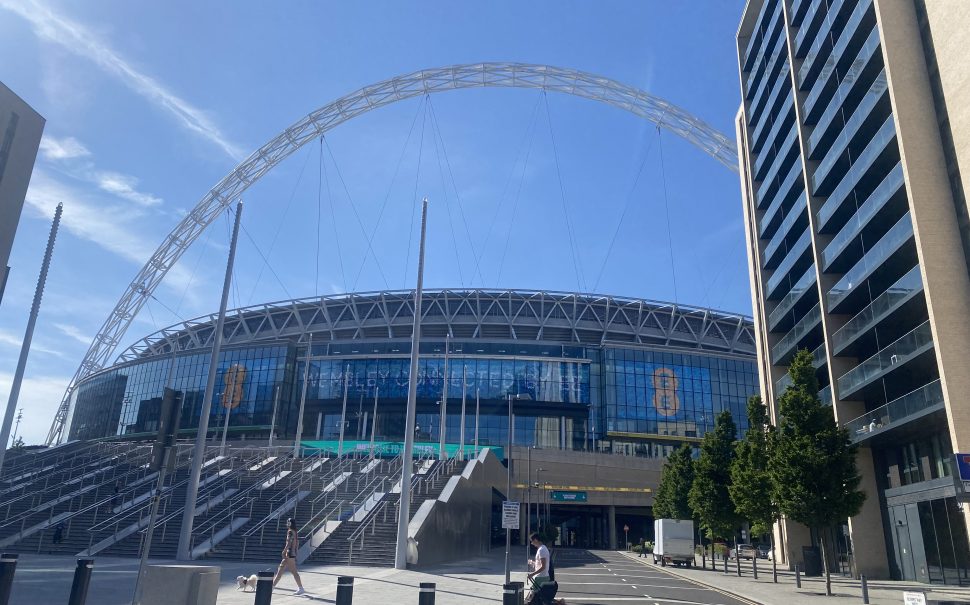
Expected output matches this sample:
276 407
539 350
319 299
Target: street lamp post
343 412
508 489
476 422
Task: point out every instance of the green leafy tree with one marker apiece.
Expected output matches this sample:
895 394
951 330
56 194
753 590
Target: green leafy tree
709 497
813 464
751 487
675 481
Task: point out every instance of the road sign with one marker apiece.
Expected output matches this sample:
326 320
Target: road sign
626 528
560 496
963 466
914 598
510 515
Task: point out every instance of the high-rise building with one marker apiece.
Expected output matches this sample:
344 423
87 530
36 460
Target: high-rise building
20 131
854 140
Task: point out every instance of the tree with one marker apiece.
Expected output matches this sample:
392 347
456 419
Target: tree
751 487
813 464
675 481
709 497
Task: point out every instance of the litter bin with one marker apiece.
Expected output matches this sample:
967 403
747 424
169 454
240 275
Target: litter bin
812 557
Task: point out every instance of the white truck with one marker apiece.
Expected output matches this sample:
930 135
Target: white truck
673 542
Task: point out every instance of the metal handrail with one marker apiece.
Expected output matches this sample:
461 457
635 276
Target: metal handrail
42 500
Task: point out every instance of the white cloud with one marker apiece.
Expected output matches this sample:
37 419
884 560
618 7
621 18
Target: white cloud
73 332
40 397
14 342
62 149
113 228
123 186
77 39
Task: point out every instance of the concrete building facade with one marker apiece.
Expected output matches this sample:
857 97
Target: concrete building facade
854 147
20 131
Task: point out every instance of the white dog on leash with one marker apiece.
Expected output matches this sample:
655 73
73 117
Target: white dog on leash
243 583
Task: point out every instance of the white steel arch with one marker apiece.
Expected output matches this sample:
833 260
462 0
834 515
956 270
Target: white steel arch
478 75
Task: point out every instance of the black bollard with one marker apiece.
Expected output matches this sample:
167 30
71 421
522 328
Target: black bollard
8 565
737 562
865 589
703 559
426 596
725 564
82 578
519 592
264 588
754 567
798 576
508 595
345 590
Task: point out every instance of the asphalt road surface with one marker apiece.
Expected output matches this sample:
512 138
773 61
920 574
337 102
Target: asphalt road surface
610 578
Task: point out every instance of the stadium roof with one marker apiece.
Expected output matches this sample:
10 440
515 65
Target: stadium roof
466 314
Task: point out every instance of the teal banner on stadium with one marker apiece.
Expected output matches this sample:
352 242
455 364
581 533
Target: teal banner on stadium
561 496
393 448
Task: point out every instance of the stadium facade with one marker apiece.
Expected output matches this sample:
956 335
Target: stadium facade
585 372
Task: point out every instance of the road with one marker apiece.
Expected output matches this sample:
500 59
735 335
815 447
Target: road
608 578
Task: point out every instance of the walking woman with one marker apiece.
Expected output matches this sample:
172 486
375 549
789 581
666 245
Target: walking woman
289 556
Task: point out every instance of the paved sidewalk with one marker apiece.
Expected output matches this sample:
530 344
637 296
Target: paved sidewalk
845 590
47 579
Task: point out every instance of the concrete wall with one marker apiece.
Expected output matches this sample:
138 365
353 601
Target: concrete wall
457 524
607 479
20 131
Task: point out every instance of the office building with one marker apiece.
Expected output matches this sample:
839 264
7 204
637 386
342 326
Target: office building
20 131
854 145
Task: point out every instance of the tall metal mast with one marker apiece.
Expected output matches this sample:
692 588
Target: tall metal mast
18 377
192 489
404 508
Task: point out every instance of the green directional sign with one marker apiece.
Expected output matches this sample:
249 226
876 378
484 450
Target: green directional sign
560 496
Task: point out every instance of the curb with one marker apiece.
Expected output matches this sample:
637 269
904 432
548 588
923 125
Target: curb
729 593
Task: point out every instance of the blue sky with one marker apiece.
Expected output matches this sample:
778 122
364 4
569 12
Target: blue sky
149 105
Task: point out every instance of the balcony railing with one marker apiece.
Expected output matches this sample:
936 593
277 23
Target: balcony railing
904 289
875 257
886 190
906 347
794 254
801 287
897 411
805 325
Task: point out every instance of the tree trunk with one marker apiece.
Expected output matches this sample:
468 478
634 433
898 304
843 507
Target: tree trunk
825 565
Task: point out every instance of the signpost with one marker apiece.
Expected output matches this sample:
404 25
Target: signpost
626 535
963 471
510 515
914 598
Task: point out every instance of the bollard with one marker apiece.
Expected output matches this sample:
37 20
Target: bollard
508 595
754 567
345 590
264 588
426 596
519 592
865 589
703 558
737 563
82 578
8 565
725 564
798 576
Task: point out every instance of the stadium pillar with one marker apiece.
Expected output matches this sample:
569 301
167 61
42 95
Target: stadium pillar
192 488
18 377
343 413
404 508
443 422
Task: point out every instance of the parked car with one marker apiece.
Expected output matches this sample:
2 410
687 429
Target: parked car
744 551
764 551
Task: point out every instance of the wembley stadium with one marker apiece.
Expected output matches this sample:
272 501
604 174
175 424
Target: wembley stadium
582 372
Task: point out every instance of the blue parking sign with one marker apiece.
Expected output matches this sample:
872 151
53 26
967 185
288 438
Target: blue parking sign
963 466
